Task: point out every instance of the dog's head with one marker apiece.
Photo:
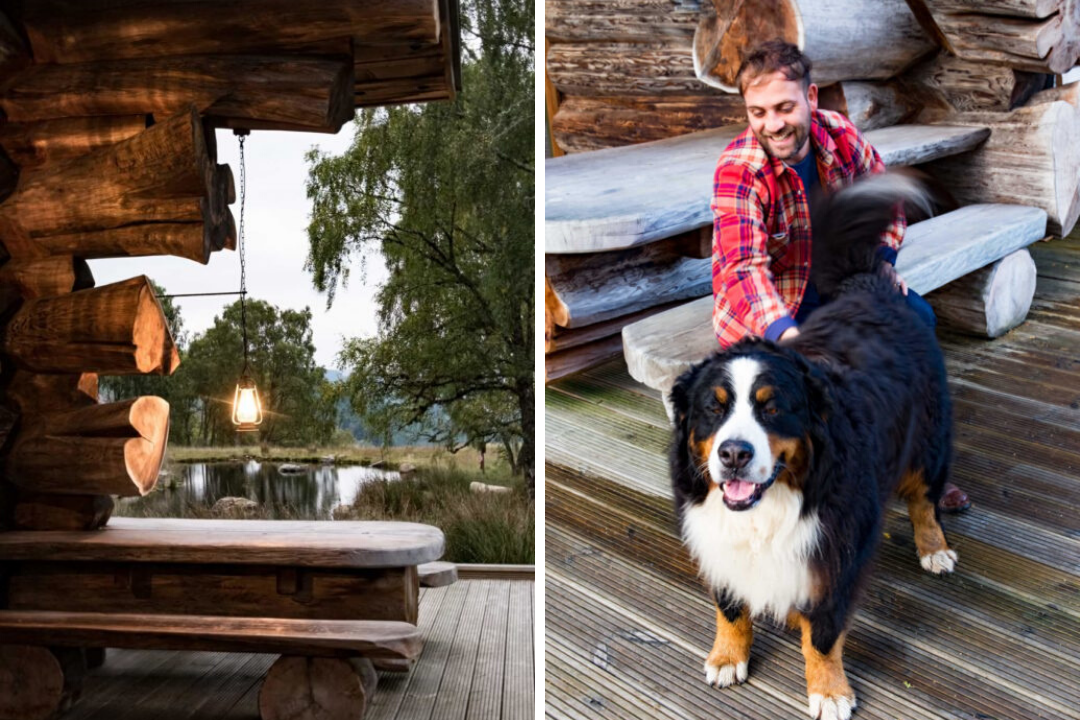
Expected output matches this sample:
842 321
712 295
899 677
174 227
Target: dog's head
745 419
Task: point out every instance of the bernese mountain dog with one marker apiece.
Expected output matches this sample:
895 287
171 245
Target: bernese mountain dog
785 454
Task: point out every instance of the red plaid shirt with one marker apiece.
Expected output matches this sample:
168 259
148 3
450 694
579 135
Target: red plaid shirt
761 226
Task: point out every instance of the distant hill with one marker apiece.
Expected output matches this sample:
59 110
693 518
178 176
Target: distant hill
352 422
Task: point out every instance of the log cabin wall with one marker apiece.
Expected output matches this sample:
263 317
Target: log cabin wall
108 150
635 71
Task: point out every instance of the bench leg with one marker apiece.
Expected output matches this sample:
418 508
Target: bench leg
304 688
37 683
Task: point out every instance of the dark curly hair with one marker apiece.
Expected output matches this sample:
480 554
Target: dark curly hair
774 56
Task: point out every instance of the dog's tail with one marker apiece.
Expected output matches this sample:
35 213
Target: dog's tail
848 225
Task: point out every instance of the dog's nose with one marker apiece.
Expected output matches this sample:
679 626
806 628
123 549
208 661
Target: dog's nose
735 454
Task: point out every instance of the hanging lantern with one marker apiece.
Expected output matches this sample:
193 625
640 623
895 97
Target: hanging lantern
247 407
247 412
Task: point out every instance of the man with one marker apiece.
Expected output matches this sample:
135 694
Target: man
764 183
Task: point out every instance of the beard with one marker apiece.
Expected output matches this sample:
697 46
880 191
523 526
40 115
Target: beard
775 147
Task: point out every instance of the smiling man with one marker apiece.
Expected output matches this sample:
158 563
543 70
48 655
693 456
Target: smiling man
765 180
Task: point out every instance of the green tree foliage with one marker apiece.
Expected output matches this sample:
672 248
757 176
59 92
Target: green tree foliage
445 192
299 403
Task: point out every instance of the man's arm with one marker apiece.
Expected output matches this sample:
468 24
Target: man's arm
741 273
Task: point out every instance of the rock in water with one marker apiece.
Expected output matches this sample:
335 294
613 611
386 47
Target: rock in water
235 507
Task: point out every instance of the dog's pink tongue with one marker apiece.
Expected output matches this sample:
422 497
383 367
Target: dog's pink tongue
738 489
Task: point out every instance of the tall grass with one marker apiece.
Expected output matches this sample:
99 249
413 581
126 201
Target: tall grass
479 527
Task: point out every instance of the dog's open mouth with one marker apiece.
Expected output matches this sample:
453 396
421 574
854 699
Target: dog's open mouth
742 494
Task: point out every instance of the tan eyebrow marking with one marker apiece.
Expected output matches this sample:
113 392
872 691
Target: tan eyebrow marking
765 394
721 395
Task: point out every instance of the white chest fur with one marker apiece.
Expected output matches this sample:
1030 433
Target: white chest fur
761 556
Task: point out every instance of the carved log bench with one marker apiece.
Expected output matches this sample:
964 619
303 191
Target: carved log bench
935 252
332 598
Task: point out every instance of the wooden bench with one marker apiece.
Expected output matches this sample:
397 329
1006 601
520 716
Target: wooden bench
629 196
935 252
330 597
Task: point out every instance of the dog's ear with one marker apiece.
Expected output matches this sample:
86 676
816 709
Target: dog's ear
685 480
679 397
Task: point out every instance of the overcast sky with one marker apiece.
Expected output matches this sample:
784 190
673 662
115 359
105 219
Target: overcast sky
276 216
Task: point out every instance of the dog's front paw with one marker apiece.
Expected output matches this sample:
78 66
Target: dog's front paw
942 561
721 674
832 707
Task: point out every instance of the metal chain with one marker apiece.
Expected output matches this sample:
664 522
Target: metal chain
243 265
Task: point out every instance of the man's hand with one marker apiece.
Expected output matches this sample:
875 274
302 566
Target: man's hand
889 273
790 334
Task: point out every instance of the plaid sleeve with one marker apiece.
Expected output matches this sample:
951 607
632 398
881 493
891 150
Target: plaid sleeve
868 162
740 266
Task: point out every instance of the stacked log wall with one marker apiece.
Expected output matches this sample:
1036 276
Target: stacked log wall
108 150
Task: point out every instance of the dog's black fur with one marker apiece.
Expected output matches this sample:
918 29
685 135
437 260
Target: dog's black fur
863 386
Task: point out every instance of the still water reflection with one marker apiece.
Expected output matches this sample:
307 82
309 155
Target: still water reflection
311 494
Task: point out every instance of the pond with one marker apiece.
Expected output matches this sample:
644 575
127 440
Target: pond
193 488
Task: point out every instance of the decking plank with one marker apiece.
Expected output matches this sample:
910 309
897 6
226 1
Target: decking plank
485 698
453 699
519 679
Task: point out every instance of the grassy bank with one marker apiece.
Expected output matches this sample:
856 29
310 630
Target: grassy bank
419 456
479 527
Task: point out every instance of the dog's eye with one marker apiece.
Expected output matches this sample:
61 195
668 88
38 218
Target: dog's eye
769 409
716 408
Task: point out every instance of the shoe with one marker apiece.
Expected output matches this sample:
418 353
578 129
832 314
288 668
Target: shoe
953 500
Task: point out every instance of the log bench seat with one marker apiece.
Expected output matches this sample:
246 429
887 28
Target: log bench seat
628 196
335 599
935 252
281 636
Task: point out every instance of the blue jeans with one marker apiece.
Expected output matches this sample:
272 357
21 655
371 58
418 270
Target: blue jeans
812 301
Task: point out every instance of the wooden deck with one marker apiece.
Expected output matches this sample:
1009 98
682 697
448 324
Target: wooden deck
477 664
629 625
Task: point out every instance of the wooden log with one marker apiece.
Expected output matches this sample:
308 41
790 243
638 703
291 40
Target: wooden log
14 54
564 339
1025 35
944 85
437 574
107 449
625 20
627 196
33 393
1031 158
159 175
40 143
631 280
47 276
845 39
31 683
312 93
341 544
117 329
302 688
592 123
560 364
149 587
191 240
991 301
41 511
624 69
70 31
868 105
161 631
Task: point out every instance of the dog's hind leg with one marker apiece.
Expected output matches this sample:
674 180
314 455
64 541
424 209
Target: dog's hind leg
934 553
729 660
827 689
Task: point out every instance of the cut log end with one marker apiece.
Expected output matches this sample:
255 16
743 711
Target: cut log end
722 41
31 683
301 688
